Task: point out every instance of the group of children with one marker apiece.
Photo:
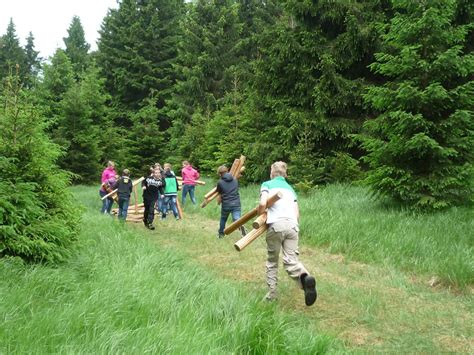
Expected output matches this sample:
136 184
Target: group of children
160 190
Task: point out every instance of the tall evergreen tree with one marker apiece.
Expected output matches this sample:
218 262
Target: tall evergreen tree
310 77
207 58
38 221
78 135
33 62
58 78
12 54
137 48
76 46
421 145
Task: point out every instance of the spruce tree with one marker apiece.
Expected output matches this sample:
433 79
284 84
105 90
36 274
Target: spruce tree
38 221
33 62
58 78
420 147
12 54
206 60
76 46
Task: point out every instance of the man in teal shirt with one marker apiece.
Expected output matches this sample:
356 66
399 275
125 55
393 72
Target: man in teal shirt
282 234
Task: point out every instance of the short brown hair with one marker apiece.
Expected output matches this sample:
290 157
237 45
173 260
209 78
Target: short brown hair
126 172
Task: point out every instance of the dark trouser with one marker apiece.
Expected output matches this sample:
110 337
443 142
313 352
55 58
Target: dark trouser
149 213
225 211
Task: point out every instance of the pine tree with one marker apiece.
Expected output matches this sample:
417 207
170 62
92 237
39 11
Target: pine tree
420 147
58 78
137 48
78 135
11 54
76 46
33 62
311 76
38 221
206 60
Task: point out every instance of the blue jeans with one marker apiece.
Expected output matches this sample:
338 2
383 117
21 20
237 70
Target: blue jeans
159 204
123 207
104 202
190 189
172 201
225 211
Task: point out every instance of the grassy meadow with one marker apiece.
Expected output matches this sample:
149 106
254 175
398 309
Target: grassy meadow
179 289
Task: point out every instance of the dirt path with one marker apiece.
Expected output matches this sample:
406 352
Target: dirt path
368 307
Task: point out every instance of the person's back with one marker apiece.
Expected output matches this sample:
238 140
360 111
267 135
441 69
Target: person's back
124 187
171 191
282 209
171 184
228 187
229 197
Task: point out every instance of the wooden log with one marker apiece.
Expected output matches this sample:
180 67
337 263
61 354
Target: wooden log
136 182
242 220
251 214
233 168
250 237
180 210
136 198
209 199
236 172
262 219
198 182
210 192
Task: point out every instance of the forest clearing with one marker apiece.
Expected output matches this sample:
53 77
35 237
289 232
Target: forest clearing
179 288
337 135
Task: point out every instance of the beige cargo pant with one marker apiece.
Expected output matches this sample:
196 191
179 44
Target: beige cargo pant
282 235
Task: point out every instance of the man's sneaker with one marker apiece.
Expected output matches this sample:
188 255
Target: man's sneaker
151 227
309 287
243 231
220 235
177 218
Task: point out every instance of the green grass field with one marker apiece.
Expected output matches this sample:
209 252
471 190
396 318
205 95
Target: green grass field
179 289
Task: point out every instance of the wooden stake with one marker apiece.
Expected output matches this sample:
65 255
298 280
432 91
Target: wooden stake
251 214
233 168
136 198
262 219
180 211
242 220
136 182
250 237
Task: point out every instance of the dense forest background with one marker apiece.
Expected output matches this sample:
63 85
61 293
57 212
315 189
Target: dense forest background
373 91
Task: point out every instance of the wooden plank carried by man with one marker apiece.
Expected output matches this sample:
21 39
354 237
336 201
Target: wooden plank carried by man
259 225
236 171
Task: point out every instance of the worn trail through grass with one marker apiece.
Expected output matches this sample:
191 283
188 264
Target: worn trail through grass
368 307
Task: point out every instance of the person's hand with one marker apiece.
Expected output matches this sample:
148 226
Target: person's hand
162 196
143 187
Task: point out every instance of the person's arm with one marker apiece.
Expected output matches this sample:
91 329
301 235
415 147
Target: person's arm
262 206
144 184
196 176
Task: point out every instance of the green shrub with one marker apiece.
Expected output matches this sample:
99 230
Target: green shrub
37 218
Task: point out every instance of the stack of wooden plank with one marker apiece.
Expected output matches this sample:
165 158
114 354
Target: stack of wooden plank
236 171
259 225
